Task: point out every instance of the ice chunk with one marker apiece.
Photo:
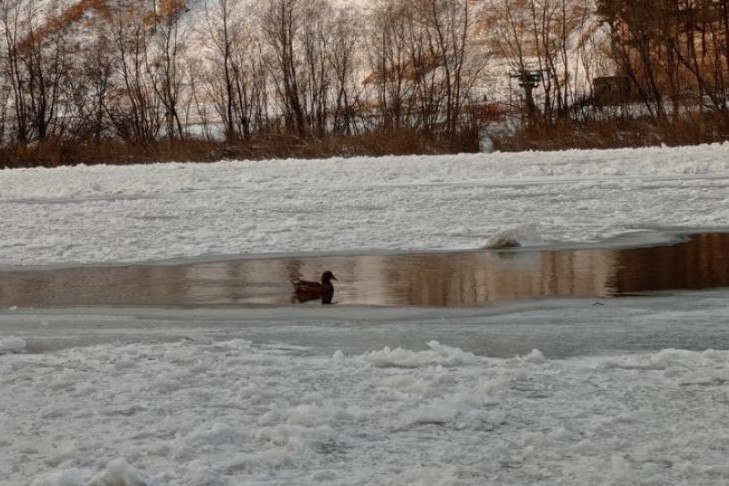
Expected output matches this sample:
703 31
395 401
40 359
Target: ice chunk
535 357
69 477
119 473
12 345
439 355
518 236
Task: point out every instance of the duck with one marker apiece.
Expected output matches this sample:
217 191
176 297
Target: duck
305 290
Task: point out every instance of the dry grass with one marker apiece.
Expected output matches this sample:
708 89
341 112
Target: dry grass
617 133
565 135
55 152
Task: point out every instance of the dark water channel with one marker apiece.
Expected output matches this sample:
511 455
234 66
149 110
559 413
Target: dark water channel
473 278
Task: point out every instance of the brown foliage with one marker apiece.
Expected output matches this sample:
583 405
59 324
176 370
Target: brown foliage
70 16
165 9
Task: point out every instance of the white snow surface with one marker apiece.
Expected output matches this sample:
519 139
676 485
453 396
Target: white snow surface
631 391
157 212
214 408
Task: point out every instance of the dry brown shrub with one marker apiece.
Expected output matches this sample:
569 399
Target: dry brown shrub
56 152
616 133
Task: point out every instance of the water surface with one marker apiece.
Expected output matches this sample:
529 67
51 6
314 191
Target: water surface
458 279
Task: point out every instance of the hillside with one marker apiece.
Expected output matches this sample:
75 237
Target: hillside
333 77
502 29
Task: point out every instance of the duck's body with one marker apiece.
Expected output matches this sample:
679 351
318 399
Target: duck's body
307 290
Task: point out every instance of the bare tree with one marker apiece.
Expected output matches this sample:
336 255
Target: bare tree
700 45
14 30
282 23
237 81
222 26
511 39
5 94
449 26
634 42
35 63
541 39
388 38
88 88
134 108
251 86
166 69
315 41
346 34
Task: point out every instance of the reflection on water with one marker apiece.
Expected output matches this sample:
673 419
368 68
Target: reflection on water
440 279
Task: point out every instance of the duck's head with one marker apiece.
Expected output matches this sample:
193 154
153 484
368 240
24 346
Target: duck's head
327 276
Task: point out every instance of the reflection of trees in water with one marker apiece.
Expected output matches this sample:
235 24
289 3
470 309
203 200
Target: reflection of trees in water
436 279
476 278
141 285
702 262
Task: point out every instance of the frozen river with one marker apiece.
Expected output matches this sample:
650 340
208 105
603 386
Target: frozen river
557 363
560 328
627 390
566 302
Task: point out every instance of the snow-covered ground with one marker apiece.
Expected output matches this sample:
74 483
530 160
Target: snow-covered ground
319 395
111 214
620 391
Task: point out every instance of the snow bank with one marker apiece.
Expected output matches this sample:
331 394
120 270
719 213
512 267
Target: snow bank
232 412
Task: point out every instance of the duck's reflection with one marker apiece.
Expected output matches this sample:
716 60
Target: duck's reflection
440 279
